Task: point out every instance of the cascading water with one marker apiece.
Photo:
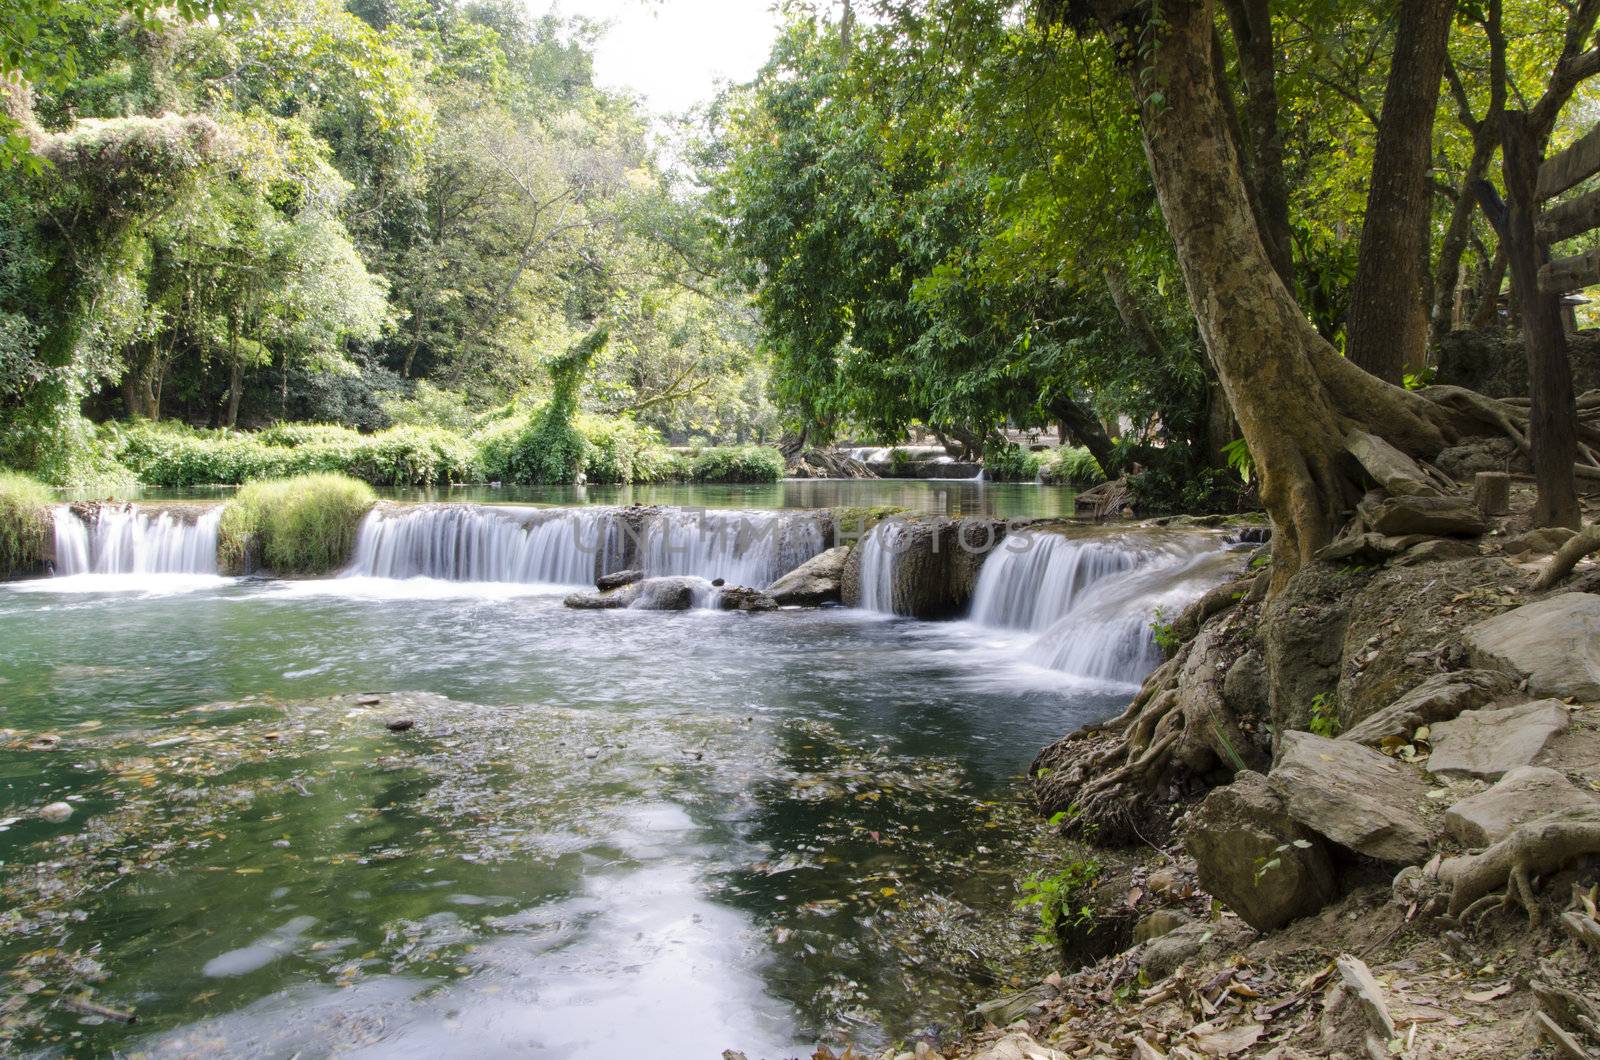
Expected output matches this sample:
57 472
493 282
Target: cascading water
1033 580
126 540
1092 600
469 543
748 548
881 550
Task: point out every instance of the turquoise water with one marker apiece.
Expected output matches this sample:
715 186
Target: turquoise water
605 834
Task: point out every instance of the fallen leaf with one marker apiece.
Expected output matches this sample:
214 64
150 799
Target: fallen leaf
1480 996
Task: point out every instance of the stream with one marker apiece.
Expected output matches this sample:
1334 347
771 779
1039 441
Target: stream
418 816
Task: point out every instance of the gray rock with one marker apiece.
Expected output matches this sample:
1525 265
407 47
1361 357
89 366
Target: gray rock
1543 540
1523 794
1163 956
1354 796
818 580
1004 1011
1156 924
1434 516
1236 832
743 598
1245 688
618 579
1554 643
1490 743
1388 466
651 594
1438 550
1439 698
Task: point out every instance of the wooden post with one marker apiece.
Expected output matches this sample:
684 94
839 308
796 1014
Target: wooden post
1492 492
1553 416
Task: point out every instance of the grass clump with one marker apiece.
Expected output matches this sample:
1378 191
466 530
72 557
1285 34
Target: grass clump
1073 466
295 526
1011 463
25 522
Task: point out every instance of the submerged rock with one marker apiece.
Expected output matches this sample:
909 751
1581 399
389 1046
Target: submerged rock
1354 796
1490 743
818 580
1523 794
744 598
56 812
1255 857
677 593
1554 643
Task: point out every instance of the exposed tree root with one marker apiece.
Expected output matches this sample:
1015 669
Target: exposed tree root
1108 778
1567 556
1534 849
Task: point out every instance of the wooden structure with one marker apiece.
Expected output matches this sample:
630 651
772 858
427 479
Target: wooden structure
1540 284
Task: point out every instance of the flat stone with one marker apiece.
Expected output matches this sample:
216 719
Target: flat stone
1438 550
1523 794
1354 796
1358 979
818 580
1236 832
1156 924
1435 516
1554 643
1490 743
1439 698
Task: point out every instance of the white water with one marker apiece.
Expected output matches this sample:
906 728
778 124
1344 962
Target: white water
1092 600
477 543
470 543
881 550
125 540
749 548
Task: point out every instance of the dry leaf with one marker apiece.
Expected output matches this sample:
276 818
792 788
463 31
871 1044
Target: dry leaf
1480 996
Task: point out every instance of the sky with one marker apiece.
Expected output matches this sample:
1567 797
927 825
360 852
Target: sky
674 52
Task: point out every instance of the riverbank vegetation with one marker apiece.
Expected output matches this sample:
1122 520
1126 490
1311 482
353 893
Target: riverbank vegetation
24 522
302 526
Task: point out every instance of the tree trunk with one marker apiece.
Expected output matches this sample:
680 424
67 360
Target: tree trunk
1295 398
1552 433
1084 426
1388 328
1252 35
235 372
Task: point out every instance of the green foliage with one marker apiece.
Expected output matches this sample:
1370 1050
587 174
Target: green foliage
1011 463
173 456
296 526
743 463
550 449
1269 863
25 522
899 463
615 451
1237 454
1325 715
1061 898
1074 465
1172 483
1166 637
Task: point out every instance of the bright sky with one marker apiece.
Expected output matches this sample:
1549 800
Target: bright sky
674 52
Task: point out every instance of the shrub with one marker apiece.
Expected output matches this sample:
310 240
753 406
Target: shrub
615 449
429 406
415 456
294 526
25 522
1011 463
899 463
1075 466
742 463
662 465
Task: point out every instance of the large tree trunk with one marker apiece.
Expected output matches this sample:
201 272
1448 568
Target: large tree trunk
1252 35
1087 430
1388 328
1295 398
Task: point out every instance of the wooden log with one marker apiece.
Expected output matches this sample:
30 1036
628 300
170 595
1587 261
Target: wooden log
1571 218
1569 168
1491 490
1573 273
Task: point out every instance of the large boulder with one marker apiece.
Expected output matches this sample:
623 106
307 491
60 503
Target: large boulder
933 563
1435 516
1439 698
1354 796
818 580
1488 744
1255 857
1554 643
1523 794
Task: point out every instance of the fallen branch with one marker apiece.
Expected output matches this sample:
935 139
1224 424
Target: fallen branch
1567 556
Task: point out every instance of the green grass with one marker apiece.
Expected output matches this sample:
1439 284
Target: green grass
1075 466
24 523
295 526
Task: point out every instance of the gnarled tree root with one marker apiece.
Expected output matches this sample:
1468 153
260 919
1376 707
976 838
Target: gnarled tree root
1534 849
1567 556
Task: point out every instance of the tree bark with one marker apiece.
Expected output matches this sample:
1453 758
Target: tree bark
1553 416
1295 398
1388 326
1251 21
1081 422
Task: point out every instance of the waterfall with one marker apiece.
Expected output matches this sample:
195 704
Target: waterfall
1092 600
477 543
881 550
126 540
749 548
471 543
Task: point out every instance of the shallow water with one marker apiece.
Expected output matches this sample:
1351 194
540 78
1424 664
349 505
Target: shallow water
1019 500
624 834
